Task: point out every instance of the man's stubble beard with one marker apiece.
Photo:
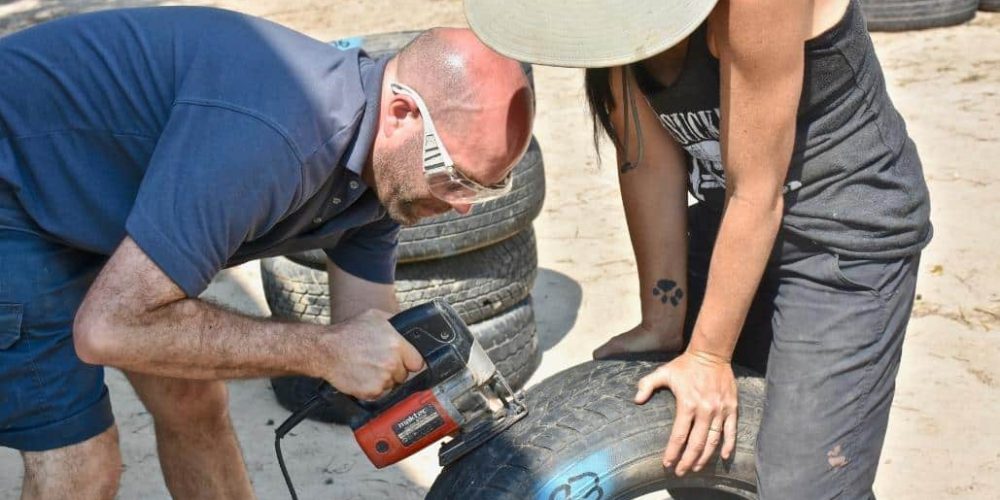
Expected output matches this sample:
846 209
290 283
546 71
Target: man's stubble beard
394 188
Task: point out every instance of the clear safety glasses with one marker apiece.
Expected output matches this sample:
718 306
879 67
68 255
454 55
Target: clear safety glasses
447 182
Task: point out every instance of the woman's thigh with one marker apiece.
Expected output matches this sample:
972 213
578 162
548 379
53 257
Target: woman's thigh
838 327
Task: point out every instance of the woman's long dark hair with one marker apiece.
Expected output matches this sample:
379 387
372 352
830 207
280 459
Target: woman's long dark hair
597 82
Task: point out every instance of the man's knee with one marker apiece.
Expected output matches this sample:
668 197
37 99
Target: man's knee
193 402
183 402
91 469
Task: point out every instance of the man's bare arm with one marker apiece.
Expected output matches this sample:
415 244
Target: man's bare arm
135 318
350 295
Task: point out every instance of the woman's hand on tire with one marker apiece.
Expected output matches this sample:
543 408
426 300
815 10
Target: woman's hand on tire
705 390
641 339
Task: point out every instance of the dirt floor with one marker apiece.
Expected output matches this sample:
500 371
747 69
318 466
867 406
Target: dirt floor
943 439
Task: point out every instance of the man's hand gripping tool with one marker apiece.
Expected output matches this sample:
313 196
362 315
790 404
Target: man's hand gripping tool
460 394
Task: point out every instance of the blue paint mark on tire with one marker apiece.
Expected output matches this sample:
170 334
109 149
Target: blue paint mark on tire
348 43
584 480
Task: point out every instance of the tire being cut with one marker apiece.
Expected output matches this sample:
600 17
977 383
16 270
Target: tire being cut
478 284
509 339
903 15
584 438
487 223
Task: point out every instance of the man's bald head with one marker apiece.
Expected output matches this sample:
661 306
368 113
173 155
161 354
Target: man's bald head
480 101
481 105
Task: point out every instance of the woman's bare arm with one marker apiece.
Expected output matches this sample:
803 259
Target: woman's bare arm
653 190
761 45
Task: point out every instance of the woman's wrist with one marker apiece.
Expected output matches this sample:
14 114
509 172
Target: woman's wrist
709 357
703 348
662 323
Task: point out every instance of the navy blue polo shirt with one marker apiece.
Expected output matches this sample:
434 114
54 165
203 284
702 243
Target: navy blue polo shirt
210 137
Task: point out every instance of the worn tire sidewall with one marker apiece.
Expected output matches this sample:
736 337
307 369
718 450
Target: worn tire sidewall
989 5
479 284
905 15
625 455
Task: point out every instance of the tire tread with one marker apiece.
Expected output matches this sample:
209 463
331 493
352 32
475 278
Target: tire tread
903 15
573 413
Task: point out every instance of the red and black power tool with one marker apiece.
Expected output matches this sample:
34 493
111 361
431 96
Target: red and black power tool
460 394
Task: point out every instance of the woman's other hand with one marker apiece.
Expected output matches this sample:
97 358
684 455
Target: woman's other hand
705 390
642 338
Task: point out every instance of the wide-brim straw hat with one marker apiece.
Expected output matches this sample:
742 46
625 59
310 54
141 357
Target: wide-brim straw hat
584 33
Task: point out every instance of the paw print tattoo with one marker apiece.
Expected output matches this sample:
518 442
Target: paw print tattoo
668 291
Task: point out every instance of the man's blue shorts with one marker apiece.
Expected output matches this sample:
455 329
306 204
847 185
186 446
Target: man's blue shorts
48 397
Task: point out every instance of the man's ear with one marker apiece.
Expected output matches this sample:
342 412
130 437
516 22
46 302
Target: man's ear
401 113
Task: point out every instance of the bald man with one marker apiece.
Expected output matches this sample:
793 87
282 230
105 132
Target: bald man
141 151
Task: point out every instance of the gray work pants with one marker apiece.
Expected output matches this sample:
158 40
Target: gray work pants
828 333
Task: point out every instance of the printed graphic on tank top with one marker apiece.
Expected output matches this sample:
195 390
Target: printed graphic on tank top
698 133
691 116
855 184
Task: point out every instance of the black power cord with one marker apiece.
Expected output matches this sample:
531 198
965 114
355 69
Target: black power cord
286 426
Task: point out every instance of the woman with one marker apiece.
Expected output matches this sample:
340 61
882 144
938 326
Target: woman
800 257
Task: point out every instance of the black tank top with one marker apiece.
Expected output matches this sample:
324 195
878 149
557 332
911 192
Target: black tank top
855 184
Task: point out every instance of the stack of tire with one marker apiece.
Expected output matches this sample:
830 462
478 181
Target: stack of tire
903 15
483 263
989 5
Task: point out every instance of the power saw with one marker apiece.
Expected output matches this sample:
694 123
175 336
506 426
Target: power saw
460 394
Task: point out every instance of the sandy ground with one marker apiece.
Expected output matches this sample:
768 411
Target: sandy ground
942 439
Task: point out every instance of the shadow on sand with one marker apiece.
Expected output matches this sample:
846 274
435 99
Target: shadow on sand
557 300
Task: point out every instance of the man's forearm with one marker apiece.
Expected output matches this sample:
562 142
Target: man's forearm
745 239
191 338
350 295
